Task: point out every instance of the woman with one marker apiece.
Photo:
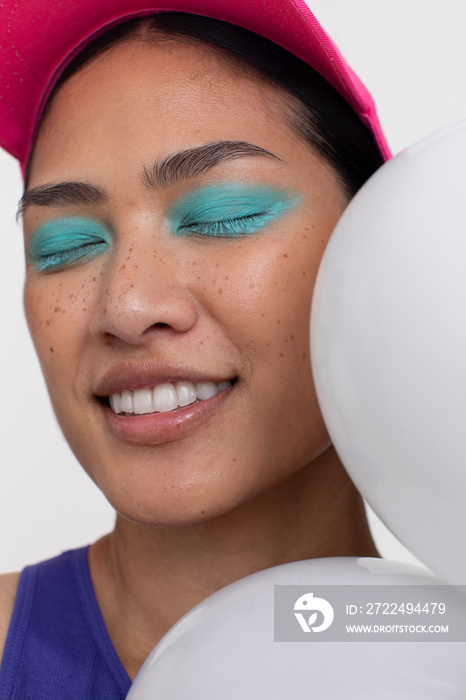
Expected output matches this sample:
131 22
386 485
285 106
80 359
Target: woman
182 179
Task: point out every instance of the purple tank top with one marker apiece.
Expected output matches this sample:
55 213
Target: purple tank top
57 646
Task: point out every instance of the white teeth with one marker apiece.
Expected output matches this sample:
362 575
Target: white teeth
205 390
127 402
142 401
115 403
164 397
186 393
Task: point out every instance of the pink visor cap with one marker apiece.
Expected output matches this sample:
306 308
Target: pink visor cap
39 38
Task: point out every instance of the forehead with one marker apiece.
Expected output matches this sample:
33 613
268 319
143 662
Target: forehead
138 100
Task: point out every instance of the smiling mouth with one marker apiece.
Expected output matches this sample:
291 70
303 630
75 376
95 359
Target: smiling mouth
165 397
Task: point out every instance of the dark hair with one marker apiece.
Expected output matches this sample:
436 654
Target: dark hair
319 114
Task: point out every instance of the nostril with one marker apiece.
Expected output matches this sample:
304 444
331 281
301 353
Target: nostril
134 315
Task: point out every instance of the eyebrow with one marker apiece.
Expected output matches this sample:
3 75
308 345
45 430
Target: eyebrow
174 168
196 161
61 194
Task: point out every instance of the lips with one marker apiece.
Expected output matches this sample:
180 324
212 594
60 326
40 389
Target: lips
153 403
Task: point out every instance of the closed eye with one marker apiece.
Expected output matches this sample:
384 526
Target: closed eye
60 243
239 226
230 210
62 259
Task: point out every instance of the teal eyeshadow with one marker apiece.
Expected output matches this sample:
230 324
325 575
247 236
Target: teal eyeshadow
230 210
62 242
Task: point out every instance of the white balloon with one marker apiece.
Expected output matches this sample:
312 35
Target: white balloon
388 346
224 649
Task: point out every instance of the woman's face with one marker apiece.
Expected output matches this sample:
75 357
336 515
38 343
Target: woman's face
177 242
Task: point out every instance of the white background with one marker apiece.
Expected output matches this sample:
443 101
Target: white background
412 56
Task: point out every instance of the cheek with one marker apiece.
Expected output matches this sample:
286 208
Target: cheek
262 294
57 311
270 296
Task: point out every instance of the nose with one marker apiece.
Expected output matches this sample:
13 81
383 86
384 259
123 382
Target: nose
141 291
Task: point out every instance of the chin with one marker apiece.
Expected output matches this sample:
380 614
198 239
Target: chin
172 505
167 514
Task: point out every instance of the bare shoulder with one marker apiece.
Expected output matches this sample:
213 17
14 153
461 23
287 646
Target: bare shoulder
8 587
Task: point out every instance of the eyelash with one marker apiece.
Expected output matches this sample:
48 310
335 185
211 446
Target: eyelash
226 228
62 259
